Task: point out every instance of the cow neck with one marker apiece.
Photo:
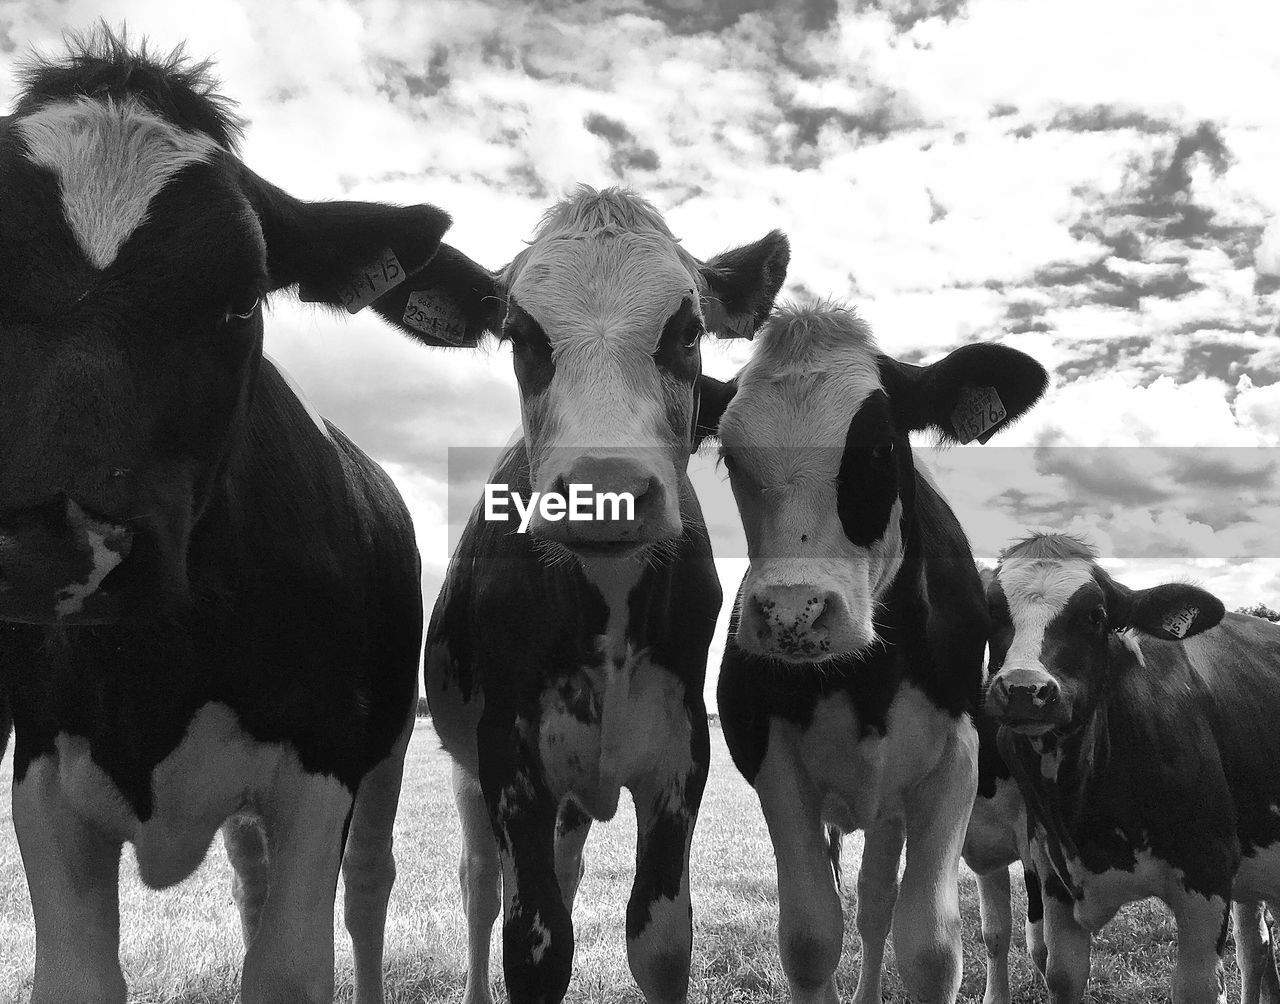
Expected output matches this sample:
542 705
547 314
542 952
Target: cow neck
1044 795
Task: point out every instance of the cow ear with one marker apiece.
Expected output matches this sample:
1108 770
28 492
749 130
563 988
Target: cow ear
971 394
343 254
713 397
1173 611
742 285
452 302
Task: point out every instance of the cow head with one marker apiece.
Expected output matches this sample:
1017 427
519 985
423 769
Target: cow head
605 312
137 250
1055 623
816 444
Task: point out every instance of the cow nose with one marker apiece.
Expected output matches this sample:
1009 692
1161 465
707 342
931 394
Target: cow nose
791 620
1025 698
620 501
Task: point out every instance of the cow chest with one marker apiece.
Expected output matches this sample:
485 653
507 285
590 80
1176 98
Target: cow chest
861 778
606 726
216 770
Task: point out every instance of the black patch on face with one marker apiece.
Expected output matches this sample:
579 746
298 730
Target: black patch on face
531 350
867 485
1074 650
1001 626
677 351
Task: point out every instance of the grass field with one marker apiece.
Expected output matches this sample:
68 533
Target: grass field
183 945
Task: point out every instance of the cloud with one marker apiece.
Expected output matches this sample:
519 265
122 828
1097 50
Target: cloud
1092 183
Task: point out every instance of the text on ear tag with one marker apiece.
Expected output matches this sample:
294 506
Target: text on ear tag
978 410
371 282
436 317
1178 624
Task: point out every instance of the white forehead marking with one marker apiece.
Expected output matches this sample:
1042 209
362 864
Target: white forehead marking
112 160
812 369
603 266
1041 586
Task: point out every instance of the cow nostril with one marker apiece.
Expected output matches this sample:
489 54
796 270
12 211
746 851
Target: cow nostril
1047 694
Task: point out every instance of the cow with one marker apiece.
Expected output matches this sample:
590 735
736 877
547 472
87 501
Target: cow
566 663
1139 725
210 599
854 656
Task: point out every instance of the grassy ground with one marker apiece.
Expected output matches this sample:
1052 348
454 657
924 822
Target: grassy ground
183 945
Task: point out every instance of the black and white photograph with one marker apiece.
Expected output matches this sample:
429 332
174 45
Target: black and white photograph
639 501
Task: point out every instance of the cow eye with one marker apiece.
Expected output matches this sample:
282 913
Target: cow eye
524 332
244 310
882 451
1098 618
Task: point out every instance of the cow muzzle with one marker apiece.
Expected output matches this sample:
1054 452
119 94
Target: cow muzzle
61 565
799 623
1028 701
614 505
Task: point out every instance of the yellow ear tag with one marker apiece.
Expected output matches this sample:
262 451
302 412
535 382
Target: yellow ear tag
978 410
371 282
436 317
1179 624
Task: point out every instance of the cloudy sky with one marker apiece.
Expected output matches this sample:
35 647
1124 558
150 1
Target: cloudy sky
1093 182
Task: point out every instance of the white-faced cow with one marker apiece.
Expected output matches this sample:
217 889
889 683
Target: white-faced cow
855 652
209 598
567 663
1149 759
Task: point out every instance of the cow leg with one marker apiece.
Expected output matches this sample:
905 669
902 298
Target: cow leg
573 826
1202 935
246 846
369 867
810 918
1067 963
1255 954
926 925
1034 929
537 930
877 895
997 930
73 873
480 876
660 910
291 957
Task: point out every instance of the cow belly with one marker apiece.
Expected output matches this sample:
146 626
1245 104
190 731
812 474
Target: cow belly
1259 874
215 770
864 780
602 729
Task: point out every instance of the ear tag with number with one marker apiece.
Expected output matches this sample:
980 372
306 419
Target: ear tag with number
436 317
978 411
362 288
1179 623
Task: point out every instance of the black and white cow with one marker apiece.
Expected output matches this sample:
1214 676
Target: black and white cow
1140 725
855 652
210 607
565 664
